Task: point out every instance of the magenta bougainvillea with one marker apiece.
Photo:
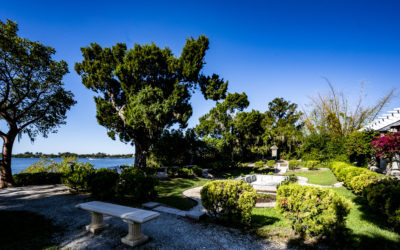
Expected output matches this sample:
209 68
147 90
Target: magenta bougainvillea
387 145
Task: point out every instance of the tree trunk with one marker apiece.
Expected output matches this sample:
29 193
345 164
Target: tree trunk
140 155
6 179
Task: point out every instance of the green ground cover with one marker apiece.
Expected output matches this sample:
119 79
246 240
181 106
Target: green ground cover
170 192
25 230
320 177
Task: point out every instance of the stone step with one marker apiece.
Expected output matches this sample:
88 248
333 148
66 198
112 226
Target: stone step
170 210
150 205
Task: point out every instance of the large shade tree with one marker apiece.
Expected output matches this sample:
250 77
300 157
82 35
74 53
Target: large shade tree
146 89
220 122
32 98
283 126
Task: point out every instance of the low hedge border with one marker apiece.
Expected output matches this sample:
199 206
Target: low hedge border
382 194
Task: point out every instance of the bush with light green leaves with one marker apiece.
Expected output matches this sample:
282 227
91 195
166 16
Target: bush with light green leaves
270 163
312 165
229 200
259 164
77 175
293 164
313 211
354 178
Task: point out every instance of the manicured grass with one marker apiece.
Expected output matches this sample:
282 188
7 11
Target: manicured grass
25 230
319 177
268 223
368 229
170 192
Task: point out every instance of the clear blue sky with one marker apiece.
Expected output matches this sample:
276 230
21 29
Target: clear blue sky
267 49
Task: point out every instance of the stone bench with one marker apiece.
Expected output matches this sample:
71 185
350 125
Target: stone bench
133 216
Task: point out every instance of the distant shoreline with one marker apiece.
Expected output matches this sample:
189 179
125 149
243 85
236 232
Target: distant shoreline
61 155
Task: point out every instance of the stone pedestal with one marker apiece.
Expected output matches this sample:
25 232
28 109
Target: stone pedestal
134 236
97 223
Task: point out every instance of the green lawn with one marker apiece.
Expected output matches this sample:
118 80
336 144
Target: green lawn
25 230
319 177
268 223
366 229
170 192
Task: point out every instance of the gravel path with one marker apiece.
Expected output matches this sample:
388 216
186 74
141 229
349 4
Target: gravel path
167 231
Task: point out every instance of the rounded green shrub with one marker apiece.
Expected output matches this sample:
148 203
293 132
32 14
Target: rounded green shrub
77 175
136 185
184 172
311 165
384 196
293 164
259 164
103 184
198 171
313 211
270 163
229 200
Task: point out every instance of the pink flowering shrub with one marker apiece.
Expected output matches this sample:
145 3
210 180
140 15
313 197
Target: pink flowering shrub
387 145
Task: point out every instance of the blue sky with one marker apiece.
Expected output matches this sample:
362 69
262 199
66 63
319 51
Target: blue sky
267 49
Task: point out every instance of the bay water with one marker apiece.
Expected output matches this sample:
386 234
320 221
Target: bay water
19 164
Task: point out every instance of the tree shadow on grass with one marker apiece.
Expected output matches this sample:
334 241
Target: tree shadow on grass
25 230
262 220
371 215
170 193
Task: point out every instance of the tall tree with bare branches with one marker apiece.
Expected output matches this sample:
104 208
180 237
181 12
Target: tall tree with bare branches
333 113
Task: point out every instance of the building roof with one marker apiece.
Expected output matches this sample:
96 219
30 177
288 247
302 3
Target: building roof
384 123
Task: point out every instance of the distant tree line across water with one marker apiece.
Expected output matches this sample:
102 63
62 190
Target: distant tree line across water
68 154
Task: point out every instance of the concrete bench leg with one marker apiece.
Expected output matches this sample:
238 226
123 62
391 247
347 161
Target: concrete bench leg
135 236
97 223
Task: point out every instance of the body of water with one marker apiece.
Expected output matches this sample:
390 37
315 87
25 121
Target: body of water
19 164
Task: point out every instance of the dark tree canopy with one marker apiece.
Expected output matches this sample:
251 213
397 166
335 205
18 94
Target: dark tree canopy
32 98
283 125
220 123
146 89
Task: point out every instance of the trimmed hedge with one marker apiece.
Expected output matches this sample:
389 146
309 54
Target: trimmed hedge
136 185
103 183
313 211
40 178
384 196
229 200
354 178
